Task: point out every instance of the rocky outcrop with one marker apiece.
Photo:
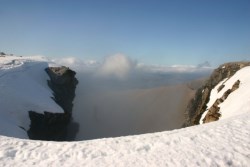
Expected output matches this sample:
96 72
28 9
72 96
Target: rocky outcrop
54 126
2 54
63 83
213 113
197 106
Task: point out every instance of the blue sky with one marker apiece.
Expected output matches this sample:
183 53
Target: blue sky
154 32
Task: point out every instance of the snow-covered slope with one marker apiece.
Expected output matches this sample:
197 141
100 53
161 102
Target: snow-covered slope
23 87
222 143
238 101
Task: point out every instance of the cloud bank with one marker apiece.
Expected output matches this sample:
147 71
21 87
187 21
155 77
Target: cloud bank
121 66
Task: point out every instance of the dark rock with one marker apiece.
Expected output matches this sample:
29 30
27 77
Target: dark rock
55 126
220 88
236 85
205 64
213 113
2 54
48 126
63 83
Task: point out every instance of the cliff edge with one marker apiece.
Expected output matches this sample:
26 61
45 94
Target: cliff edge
54 126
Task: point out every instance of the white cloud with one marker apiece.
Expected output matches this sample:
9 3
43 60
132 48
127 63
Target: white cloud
172 69
118 66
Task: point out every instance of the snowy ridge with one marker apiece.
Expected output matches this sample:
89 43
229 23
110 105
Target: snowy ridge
238 101
222 143
23 87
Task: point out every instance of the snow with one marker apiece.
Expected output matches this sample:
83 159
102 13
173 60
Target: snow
238 100
222 143
23 87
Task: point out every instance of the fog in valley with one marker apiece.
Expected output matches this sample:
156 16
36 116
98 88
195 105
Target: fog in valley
120 97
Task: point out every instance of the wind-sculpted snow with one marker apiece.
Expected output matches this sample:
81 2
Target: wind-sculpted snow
222 143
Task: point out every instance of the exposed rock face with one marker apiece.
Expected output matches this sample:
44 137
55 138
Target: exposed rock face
63 83
197 106
213 112
54 126
48 126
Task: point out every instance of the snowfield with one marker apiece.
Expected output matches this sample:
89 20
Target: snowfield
23 87
222 143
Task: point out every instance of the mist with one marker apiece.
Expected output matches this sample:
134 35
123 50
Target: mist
119 96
